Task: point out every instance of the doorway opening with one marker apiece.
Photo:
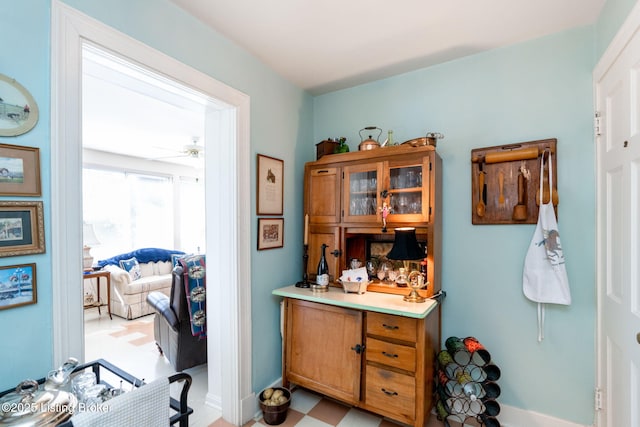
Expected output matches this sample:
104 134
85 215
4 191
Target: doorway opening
228 184
143 145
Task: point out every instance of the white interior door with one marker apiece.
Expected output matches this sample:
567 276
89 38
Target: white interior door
618 175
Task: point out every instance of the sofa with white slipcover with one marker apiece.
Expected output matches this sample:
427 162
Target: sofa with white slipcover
134 275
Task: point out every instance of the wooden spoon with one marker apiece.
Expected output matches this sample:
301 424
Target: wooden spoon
501 186
480 207
520 210
545 192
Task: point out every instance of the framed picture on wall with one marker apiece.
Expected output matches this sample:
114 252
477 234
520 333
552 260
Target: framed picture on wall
19 286
18 109
19 171
270 185
21 228
270 233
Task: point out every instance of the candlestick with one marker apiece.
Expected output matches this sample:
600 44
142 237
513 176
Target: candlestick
305 276
306 229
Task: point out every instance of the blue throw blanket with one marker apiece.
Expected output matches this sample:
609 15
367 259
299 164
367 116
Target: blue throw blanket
142 255
195 283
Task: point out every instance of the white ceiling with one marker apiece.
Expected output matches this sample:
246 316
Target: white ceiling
324 45
319 45
131 111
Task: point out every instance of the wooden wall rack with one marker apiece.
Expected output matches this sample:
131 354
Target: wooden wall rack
496 174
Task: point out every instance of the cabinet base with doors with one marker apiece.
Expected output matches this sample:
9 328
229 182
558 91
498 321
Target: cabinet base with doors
355 349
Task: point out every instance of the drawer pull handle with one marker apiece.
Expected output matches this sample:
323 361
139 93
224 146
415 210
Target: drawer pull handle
391 355
389 393
390 327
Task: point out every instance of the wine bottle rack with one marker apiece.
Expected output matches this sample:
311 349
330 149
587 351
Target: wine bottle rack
467 385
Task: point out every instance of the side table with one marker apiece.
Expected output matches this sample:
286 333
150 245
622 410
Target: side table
97 275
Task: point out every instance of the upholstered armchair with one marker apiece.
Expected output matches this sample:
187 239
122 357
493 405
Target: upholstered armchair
172 326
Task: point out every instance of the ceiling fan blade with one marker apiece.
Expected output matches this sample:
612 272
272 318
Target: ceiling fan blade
169 157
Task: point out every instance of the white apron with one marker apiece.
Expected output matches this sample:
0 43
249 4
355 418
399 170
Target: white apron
544 279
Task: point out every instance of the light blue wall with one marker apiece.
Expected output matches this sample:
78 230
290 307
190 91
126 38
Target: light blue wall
612 16
26 331
535 90
280 127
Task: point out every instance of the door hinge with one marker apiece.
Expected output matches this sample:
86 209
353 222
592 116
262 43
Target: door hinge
598 399
597 123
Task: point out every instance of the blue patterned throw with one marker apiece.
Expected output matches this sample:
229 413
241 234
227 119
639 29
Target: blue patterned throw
195 282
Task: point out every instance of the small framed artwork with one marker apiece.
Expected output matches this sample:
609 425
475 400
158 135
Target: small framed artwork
21 228
19 170
270 233
270 185
18 286
18 109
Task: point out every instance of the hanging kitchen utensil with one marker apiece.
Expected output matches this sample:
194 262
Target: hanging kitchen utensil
545 185
480 206
520 210
501 188
369 143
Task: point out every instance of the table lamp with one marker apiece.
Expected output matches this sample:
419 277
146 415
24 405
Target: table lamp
406 248
89 239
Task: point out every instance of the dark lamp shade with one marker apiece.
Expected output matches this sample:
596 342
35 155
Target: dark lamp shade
405 246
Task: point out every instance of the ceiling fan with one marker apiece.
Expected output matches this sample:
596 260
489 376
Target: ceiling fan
193 150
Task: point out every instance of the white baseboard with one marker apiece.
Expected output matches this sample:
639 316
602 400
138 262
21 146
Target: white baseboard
515 417
249 405
509 416
213 400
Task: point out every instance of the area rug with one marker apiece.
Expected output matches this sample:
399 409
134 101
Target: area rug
131 332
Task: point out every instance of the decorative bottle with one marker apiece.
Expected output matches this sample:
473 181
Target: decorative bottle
390 140
322 277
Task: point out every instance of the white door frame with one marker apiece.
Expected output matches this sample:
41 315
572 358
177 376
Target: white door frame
613 51
226 184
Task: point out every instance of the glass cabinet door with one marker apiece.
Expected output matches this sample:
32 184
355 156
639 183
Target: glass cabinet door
361 194
407 192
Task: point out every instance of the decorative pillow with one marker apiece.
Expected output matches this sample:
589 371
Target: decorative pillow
132 267
175 259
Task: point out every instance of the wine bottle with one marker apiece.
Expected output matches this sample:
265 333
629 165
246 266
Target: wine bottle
322 277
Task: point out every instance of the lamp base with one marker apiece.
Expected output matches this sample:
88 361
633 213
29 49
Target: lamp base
414 296
87 259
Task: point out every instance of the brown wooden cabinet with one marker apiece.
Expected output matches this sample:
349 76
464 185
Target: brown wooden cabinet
322 184
380 362
320 351
344 196
384 363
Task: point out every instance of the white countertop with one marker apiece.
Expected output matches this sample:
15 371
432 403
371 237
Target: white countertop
370 301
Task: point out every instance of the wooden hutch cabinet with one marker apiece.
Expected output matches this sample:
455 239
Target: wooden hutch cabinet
374 351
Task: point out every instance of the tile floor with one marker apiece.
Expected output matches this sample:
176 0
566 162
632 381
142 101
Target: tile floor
130 345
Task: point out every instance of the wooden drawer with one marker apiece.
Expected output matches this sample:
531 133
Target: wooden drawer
386 353
391 391
390 326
